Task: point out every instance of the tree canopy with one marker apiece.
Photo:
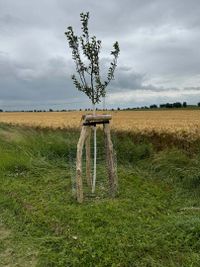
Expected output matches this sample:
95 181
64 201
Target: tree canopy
88 78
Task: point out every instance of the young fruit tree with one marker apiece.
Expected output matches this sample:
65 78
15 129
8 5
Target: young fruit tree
85 53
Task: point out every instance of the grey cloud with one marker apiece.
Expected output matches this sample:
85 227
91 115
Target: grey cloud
127 79
191 88
8 20
159 43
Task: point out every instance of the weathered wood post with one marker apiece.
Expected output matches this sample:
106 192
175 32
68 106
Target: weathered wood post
89 121
112 175
88 158
79 182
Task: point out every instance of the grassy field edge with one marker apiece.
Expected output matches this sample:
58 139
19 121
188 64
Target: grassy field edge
154 221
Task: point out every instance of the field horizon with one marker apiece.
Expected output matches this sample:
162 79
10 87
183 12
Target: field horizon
175 120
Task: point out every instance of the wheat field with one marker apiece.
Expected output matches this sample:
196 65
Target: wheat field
180 122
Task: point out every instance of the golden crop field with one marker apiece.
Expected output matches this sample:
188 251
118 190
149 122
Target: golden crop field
180 122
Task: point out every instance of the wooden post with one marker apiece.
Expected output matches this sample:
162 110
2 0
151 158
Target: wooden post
110 160
88 158
79 182
95 160
95 154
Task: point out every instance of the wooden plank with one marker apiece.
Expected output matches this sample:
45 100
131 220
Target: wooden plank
96 118
94 123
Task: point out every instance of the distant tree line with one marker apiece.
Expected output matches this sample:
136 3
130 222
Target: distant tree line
154 106
174 105
164 106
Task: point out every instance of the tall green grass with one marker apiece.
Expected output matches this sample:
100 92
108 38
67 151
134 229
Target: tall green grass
152 222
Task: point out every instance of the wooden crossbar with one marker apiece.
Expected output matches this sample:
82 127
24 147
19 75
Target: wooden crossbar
96 118
93 123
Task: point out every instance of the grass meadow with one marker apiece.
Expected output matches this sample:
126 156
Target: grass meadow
154 221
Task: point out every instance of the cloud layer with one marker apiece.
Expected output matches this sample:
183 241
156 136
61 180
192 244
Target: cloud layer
159 58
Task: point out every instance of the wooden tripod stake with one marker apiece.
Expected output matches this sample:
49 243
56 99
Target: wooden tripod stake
89 121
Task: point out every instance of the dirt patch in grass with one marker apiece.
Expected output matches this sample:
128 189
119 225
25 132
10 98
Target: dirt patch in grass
9 135
4 233
12 253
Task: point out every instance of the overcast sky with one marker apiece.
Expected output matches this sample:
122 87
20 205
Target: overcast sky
159 60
